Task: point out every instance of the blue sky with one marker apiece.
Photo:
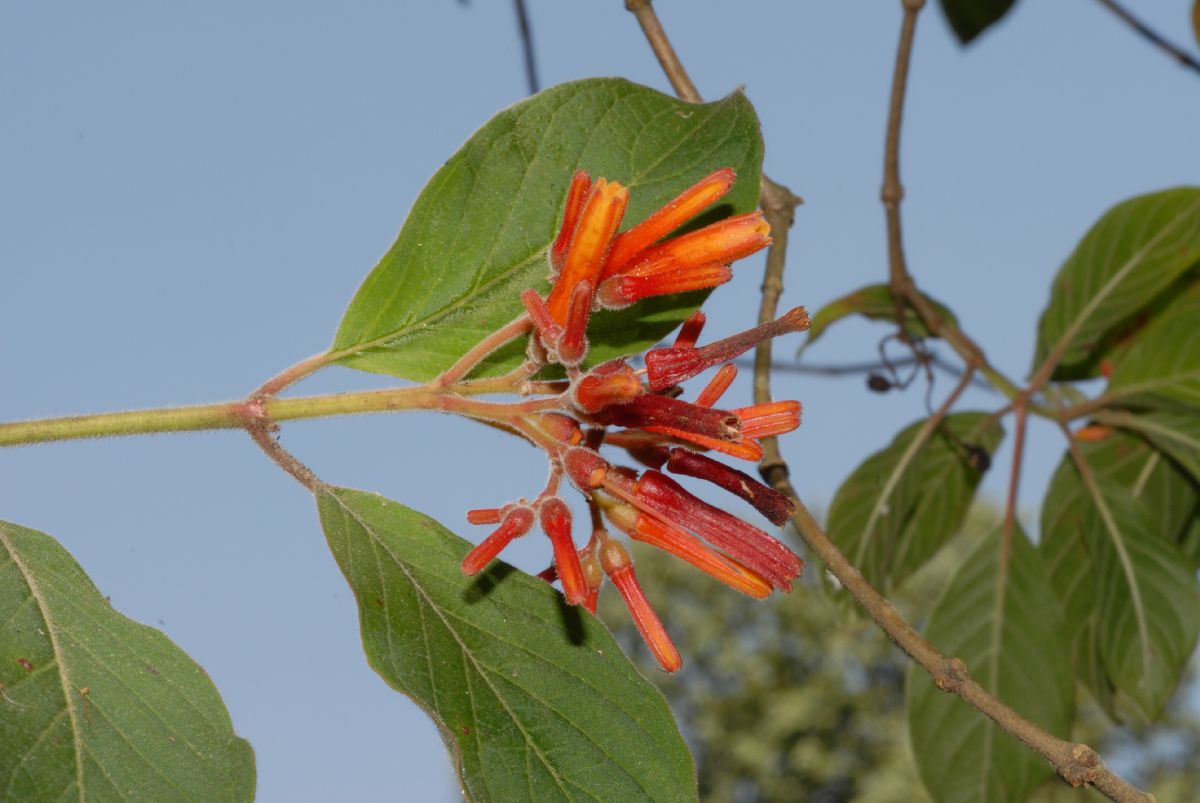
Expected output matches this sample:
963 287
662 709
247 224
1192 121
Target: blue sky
191 193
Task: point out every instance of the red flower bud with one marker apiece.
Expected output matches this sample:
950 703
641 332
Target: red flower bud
585 467
561 427
555 518
670 366
689 332
572 345
618 567
767 501
717 386
576 195
659 279
598 222
630 244
771 418
651 412
744 542
517 522
663 535
613 382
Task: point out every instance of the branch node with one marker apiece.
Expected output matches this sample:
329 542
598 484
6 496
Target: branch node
952 675
1081 769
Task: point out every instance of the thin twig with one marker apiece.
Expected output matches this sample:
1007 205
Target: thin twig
1076 763
867 367
1174 51
527 45
904 289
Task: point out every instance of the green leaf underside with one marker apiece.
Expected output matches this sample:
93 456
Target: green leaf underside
1176 433
875 302
1162 368
1130 256
969 18
94 706
896 509
1127 590
1002 622
535 700
479 231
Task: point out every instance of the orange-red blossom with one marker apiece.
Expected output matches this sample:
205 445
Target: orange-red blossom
594 266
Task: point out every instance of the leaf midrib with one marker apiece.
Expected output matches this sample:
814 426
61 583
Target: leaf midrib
479 669
51 633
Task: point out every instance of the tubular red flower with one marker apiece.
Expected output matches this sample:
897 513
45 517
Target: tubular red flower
725 241
589 246
660 279
572 344
613 382
717 386
650 412
576 195
771 418
585 468
665 536
742 541
630 244
555 518
516 522
539 315
670 366
744 449
619 569
767 501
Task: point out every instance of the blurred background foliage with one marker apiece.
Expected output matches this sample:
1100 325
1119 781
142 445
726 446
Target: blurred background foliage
799 698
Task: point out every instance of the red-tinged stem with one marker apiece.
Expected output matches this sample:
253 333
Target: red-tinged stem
286 378
469 361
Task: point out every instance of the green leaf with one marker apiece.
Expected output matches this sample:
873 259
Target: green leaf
1002 622
1129 467
901 504
94 706
969 18
876 302
1162 368
1149 604
535 700
1175 433
479 232
1129 257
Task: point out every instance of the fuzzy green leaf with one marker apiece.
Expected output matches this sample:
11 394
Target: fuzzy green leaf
1001 621
534 699
1130 256
1122 579
902 503
1174 432
95 706
479 232
1162 368
969 18
876 302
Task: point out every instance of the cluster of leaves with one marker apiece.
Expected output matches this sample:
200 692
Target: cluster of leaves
1109 596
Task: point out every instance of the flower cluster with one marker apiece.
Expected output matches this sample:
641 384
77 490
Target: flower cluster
641 410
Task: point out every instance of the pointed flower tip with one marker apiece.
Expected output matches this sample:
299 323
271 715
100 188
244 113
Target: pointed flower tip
516 522
576 195
590 243
619 568
555 519
630 245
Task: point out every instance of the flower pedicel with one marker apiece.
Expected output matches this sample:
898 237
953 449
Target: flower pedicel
593 267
